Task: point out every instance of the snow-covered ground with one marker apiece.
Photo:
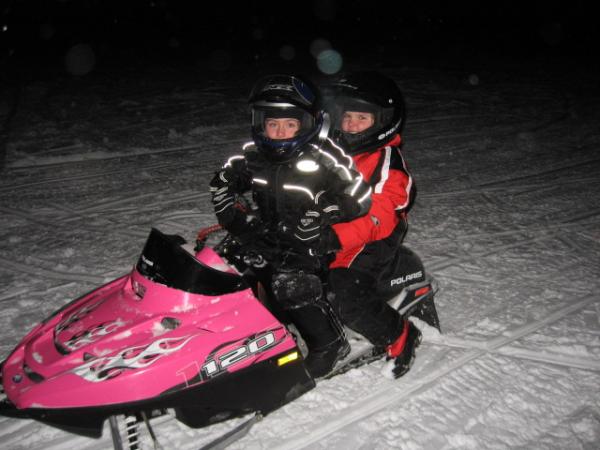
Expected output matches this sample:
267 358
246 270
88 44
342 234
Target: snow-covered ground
507 219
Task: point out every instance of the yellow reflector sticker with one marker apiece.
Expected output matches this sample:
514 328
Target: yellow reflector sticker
287 358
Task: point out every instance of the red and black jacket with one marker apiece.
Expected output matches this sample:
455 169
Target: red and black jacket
392 196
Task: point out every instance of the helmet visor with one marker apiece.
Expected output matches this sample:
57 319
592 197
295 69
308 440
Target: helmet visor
265 116
342 105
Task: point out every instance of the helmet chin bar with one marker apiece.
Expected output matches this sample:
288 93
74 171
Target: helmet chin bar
354 138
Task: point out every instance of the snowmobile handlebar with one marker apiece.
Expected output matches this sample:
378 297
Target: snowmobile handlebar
203 235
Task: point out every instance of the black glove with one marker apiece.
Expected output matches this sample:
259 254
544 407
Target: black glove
314 231
256 246
225 202
328 208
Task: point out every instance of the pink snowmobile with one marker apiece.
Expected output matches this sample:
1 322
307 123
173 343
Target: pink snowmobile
184 331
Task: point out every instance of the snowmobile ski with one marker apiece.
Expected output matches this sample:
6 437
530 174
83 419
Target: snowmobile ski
233 435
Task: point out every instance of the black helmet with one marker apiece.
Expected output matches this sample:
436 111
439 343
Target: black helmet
366 91
285 96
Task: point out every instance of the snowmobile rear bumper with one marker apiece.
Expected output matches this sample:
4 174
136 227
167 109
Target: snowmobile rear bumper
261 387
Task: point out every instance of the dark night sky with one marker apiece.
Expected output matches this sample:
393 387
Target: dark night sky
153 31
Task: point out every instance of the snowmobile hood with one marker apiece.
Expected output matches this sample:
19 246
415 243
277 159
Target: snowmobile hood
136 338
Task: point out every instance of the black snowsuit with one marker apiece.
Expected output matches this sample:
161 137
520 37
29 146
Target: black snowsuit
322 177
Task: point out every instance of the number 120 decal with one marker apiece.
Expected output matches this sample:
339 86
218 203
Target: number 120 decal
250 348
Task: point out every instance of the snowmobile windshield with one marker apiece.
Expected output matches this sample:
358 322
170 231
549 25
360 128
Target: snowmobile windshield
164 261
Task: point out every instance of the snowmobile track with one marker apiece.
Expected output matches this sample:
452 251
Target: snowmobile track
91 176
397 390
28 269
128 155
502 188
118 227
574 223
106 208
521 353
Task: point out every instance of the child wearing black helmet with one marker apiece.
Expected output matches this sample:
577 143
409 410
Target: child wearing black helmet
367 114
301 185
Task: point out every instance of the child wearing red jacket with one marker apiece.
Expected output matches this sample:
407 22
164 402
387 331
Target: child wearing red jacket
368 112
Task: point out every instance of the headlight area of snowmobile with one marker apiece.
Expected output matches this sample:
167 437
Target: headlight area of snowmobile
136 344
263 387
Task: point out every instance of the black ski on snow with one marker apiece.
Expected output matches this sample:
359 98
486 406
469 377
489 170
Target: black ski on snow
233 435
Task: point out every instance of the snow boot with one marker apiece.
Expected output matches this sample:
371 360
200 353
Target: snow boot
401 353
301 296
321 361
